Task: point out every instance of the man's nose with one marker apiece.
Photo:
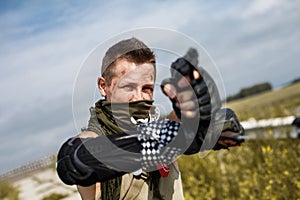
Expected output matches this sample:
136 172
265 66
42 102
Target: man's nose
138 95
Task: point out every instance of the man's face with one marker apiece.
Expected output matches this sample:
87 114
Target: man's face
131 82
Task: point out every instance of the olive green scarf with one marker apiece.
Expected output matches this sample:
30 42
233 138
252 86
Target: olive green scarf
115 118
119 117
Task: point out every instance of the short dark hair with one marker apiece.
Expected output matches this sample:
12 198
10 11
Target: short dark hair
132 50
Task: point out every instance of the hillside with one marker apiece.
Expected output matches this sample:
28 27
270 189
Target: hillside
276 103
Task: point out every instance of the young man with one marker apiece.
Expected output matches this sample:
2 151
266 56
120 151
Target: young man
127 83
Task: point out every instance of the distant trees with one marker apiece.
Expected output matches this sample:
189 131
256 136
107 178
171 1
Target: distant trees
255 89
295 81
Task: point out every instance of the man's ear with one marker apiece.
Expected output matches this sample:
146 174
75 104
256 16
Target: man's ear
102 86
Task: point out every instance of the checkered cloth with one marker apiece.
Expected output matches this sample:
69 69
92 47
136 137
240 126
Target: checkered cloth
155 139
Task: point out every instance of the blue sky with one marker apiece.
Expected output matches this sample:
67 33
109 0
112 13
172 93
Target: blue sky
44 43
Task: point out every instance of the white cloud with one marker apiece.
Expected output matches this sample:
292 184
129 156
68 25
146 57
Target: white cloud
258 7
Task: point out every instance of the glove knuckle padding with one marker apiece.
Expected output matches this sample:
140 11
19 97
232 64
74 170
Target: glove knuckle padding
205 99
200 88
215 99
181 66
69 170
206 92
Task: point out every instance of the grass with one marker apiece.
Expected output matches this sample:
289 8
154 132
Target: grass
55 196
259 169
8 191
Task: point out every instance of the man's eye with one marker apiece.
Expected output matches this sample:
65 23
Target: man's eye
128 87
148 89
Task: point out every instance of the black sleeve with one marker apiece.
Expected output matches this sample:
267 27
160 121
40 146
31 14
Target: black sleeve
87 161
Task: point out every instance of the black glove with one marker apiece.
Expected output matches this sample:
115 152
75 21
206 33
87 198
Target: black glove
206 98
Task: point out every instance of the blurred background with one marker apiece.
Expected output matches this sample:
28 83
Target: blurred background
252 43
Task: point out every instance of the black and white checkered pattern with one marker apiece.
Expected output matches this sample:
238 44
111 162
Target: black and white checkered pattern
154 138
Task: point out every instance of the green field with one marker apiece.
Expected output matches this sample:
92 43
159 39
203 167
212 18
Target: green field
259 169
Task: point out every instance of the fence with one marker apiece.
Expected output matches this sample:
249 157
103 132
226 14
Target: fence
30 167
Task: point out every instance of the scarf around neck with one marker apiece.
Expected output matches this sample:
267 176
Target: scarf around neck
116 117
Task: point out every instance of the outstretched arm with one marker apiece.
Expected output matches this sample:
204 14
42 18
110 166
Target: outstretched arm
85 161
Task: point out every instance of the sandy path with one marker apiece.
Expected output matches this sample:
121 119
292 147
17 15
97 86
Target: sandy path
43 183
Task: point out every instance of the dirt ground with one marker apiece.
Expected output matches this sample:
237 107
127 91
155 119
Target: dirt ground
43 183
